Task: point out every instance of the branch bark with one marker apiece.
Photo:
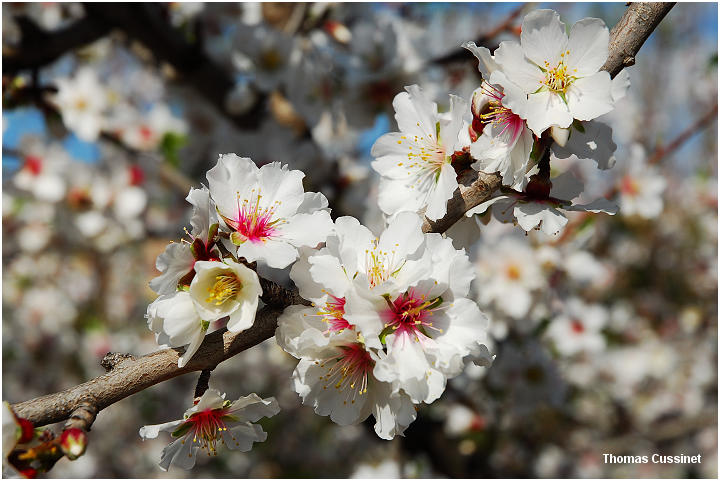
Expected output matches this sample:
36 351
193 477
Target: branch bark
130 375
630 33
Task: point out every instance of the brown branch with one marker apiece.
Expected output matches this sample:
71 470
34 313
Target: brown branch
131 375
631 31
684 136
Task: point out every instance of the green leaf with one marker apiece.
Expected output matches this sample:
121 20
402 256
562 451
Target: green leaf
578 126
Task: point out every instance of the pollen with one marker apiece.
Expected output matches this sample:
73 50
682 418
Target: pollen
226 287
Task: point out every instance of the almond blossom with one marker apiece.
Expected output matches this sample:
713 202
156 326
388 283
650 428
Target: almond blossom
218 290
420 321
578 328
177 261
335 372
82 101
552 78
415 163
641 187
504 142
543 213
266 211
211 420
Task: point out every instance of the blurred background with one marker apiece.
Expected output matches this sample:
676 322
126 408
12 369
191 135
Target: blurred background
111 112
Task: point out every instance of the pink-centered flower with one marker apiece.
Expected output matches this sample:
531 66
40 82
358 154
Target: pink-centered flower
210 421
266 211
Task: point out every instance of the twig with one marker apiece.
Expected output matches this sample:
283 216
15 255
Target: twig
631 31
684 136
203 383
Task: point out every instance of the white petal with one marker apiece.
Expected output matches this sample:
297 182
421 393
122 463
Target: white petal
530 214
152 431
544 109
543 37
486 63
175 262
252 407
588 45
276 253
307 229
481 208
590 97
518 69
445 187
620 85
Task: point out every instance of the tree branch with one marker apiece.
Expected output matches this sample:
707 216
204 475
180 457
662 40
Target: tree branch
631 31
130 375
684 136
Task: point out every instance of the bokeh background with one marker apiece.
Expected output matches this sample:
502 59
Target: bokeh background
111 113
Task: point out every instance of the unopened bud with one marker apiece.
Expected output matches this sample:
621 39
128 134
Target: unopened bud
73 443
559 135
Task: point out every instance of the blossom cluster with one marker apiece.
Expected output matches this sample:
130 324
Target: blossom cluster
544 332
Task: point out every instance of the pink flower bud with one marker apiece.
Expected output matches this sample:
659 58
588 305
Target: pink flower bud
73 443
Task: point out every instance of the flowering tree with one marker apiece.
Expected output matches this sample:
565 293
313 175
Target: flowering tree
385 320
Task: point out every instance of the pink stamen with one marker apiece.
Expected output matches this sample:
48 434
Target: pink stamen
409 315
333 313
349 370
253 222
206 426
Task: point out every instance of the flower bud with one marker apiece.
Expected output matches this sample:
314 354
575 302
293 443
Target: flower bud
73 443
338 31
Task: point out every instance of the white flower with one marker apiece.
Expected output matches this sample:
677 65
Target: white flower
42 171
176 322
226 288
146 131
641 187
335 372
178 259
578 328
266 209
424 326
508 275
211 420
544 214
558 77
82 101
505 143
415 163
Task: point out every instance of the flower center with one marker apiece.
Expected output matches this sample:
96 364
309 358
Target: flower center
332 313
348 371
629 186
426 157
379 264
558 78
81 104
33 164
226 287
499 115
205 426
410 314
253 222
577 326
513 272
